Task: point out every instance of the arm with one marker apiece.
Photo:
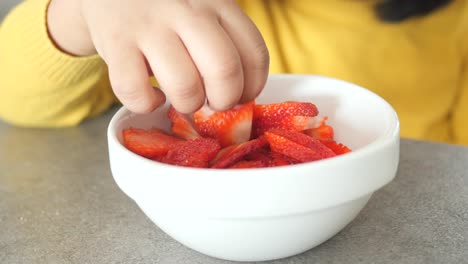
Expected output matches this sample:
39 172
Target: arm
41 86
198 50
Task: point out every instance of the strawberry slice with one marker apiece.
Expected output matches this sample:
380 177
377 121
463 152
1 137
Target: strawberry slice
304 140
229 127
338 148
148 143
222 153
297 146
298 123
262 154
291 149
237 153
247 164
280 160
271 159
288 115
202 123
181 125
193 153
288 108
322 133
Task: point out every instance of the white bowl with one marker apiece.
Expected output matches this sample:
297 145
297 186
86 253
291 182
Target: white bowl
268 213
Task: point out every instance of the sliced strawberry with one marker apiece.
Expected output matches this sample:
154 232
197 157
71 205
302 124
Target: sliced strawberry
262 154
280 160
246 164
238 152
268 116
229 127
317 121
322 133
158 158
181 125
291 149
296 145
271 159
304 140
148 143
280 110
338 148
297 123
222 153
288 115
193 153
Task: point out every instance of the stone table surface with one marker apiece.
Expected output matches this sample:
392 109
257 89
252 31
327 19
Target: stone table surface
60 204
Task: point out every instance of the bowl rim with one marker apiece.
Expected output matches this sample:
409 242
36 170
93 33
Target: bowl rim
388 137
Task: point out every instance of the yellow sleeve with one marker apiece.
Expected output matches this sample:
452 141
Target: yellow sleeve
39 85
460 110
460 113
260 12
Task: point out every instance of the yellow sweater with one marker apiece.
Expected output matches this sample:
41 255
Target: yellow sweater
420 66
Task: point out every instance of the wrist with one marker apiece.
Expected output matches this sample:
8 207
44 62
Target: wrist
67 28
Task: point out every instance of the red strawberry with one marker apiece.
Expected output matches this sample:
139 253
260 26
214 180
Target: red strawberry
304 140
280 160
285 109
261 154
288 115
322 133
299 123
158 158
222 153
246 164
148 143
229 127
271 159
296 145
316 121
181 125
235 154
193 153
338 148
291 149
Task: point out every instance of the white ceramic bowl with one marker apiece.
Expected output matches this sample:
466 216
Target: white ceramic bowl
268 213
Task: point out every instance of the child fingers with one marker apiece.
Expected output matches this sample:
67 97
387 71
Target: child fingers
130 81
251 46
174 70
216 58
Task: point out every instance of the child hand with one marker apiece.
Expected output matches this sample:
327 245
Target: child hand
197 50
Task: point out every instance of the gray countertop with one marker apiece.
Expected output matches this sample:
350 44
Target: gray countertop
59 204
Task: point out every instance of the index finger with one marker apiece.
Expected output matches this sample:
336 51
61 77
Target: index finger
251 46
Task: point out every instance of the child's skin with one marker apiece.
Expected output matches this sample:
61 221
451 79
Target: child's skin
197 49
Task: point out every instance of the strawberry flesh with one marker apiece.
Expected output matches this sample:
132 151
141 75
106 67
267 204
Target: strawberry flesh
322 133
288 115
230 127
149 143
181 125
262 154
247 164
271 159
280 160
297 145
337 148
193 153
237 153
280 110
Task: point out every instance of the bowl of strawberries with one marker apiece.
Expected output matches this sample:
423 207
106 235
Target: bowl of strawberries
265 180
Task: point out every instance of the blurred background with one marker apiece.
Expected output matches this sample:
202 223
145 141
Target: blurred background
6 5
